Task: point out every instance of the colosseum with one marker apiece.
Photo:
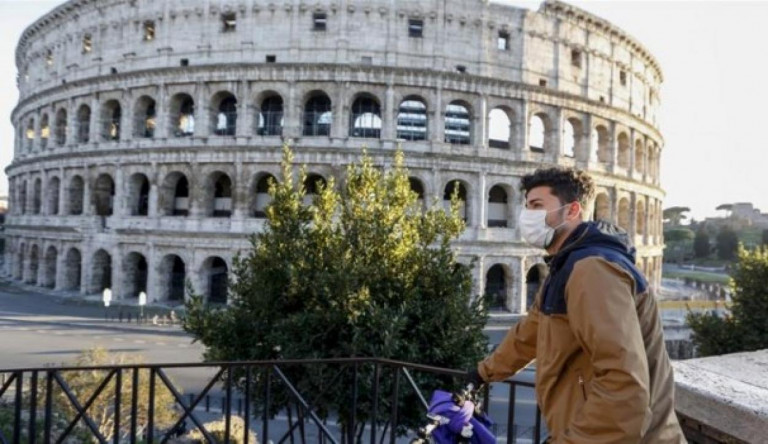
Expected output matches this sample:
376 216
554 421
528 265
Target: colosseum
146 131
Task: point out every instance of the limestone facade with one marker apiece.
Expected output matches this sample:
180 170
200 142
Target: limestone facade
145 130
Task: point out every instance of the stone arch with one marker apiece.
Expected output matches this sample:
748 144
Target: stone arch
135 273
218 195
271 111
624 214
21 255
174 195
101 271
173 276
602 207
182 119
52 195
639 156
500 127
144 117
23 197
45 131
111 120
260 195
533 280
84 124
462 188
49 274
313 184
37 196
624 150
498 207
497 287
60 130
417 187
138 194
34 264
73 262
224 114
538 131
573 138
76 195
365 116
30 134
103 196
318 114
458 123
215 272
412 120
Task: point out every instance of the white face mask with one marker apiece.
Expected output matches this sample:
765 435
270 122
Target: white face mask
534 228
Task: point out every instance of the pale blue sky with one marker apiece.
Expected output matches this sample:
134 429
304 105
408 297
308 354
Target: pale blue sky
714 97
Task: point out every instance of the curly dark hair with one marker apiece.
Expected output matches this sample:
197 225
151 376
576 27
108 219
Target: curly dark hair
567 184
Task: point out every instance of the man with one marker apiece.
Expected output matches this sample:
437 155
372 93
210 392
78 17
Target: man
602 371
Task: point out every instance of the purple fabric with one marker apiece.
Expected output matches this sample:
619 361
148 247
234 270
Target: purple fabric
442 404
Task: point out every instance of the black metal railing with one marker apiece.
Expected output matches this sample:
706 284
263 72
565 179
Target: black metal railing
142 402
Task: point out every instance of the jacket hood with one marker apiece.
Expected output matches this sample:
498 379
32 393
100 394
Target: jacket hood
596 234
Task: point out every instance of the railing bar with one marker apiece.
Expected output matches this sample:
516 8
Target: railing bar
511 412
395 400
17 408
537 427
33 409
188 412
301 400
7 383
118 404
354 405
375 407
228 417
151 407
134 403
247 413
48 406
267 399
415 388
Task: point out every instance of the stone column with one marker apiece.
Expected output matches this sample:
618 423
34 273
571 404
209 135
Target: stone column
95 124
480 122
388 124
340 126
482 202
436 119
294 113
162 109
555 137
153 192
202 110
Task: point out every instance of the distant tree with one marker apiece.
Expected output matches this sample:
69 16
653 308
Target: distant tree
727 244
746 328
725 207
701 246
679 235
765 237
674 215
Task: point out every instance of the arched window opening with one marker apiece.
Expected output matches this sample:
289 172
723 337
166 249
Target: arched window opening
182 115
61 127
640 219
365 118
135 272
624 214
30 134
37 196
496 288
76 195
602 208
262 199
497 207
45 131
569 139
73 263
412 119
624 154
318 116
52 194
313 186
603 144
101 277
461 191
457 124
145 117
104 195
418 188
536 133
83 124
216 270
533 279
499 129
49 270
271 117
222 196
23 198
225 115
111 118
139 195
181 197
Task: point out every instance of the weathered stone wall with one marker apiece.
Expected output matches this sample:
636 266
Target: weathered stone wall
98 191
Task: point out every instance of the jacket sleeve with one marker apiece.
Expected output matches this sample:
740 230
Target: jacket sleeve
516 351
603 318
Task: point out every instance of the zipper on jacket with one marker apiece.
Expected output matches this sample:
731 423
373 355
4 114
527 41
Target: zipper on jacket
583 389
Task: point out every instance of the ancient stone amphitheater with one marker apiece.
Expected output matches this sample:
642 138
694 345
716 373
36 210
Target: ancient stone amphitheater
146 130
